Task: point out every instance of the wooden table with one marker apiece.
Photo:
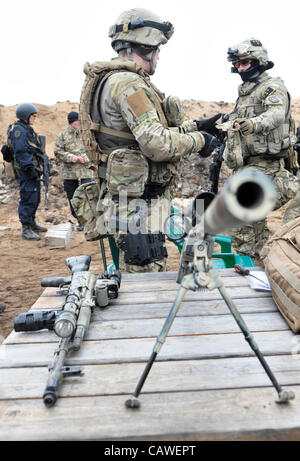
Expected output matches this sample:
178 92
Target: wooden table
206 383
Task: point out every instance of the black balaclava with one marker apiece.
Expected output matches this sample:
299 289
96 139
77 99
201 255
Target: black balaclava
252 74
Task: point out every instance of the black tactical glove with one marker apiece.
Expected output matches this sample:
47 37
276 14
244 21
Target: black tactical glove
211 143
31 173
208 124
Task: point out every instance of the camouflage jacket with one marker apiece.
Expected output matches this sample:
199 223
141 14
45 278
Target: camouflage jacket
67 144
267 104
127 101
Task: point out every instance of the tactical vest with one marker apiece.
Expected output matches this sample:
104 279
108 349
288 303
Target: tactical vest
96 75
95 135
276 143
34 144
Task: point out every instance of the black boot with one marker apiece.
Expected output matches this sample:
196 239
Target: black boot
28 234
35 227
79 227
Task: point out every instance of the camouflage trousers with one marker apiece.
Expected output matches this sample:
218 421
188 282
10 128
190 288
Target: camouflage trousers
153 215
293 209
249 240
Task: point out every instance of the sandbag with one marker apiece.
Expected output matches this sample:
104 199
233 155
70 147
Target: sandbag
281 257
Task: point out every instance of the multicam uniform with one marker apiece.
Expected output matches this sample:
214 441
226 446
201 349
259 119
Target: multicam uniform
137 139
126 102
266 103
67 144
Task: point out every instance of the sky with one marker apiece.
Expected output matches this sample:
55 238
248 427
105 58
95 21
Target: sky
46 43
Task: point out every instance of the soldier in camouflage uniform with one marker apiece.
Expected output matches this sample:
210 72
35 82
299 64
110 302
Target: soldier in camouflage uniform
259 134
140 135
293 209
69 150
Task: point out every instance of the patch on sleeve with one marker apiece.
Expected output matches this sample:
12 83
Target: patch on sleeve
17 133
139 103
268 91
256 42
273 100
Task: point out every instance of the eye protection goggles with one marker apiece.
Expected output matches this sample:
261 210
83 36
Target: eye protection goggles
166 28
243 62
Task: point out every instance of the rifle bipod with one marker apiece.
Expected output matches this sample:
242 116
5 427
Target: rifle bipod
196 281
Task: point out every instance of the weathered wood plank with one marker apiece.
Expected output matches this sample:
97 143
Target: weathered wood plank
165 296
171 275
188 308
159 285
206 383
205 415
144 328
174 376
138 350
134 296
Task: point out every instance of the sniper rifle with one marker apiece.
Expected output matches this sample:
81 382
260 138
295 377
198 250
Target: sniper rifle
247 197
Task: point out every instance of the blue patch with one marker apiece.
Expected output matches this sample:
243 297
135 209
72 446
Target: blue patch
273 99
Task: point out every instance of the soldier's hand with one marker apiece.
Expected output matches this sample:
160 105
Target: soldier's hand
246 126
208 124
211 143
81 160
75 159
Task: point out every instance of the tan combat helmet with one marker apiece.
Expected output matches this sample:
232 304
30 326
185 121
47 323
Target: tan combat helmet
249 49
140 26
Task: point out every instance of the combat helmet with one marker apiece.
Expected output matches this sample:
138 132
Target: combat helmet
24 111
141 30
140 26
250 49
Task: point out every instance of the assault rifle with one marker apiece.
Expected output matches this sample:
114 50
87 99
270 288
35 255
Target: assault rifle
247 197
83 291
46 168
216 165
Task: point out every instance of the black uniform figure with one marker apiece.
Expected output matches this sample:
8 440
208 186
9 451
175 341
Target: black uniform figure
29 167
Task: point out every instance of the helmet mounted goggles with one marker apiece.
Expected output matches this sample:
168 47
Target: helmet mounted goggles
166 27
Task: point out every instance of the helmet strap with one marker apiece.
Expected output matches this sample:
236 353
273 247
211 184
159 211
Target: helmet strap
129 52
147 59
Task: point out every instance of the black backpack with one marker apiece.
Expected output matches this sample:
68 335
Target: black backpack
7 150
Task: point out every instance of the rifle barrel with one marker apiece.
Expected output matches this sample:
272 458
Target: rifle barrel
247 197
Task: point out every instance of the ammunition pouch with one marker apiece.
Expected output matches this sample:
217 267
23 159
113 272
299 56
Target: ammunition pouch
141 249
153 191
234 152
84 202
127 172
173 110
